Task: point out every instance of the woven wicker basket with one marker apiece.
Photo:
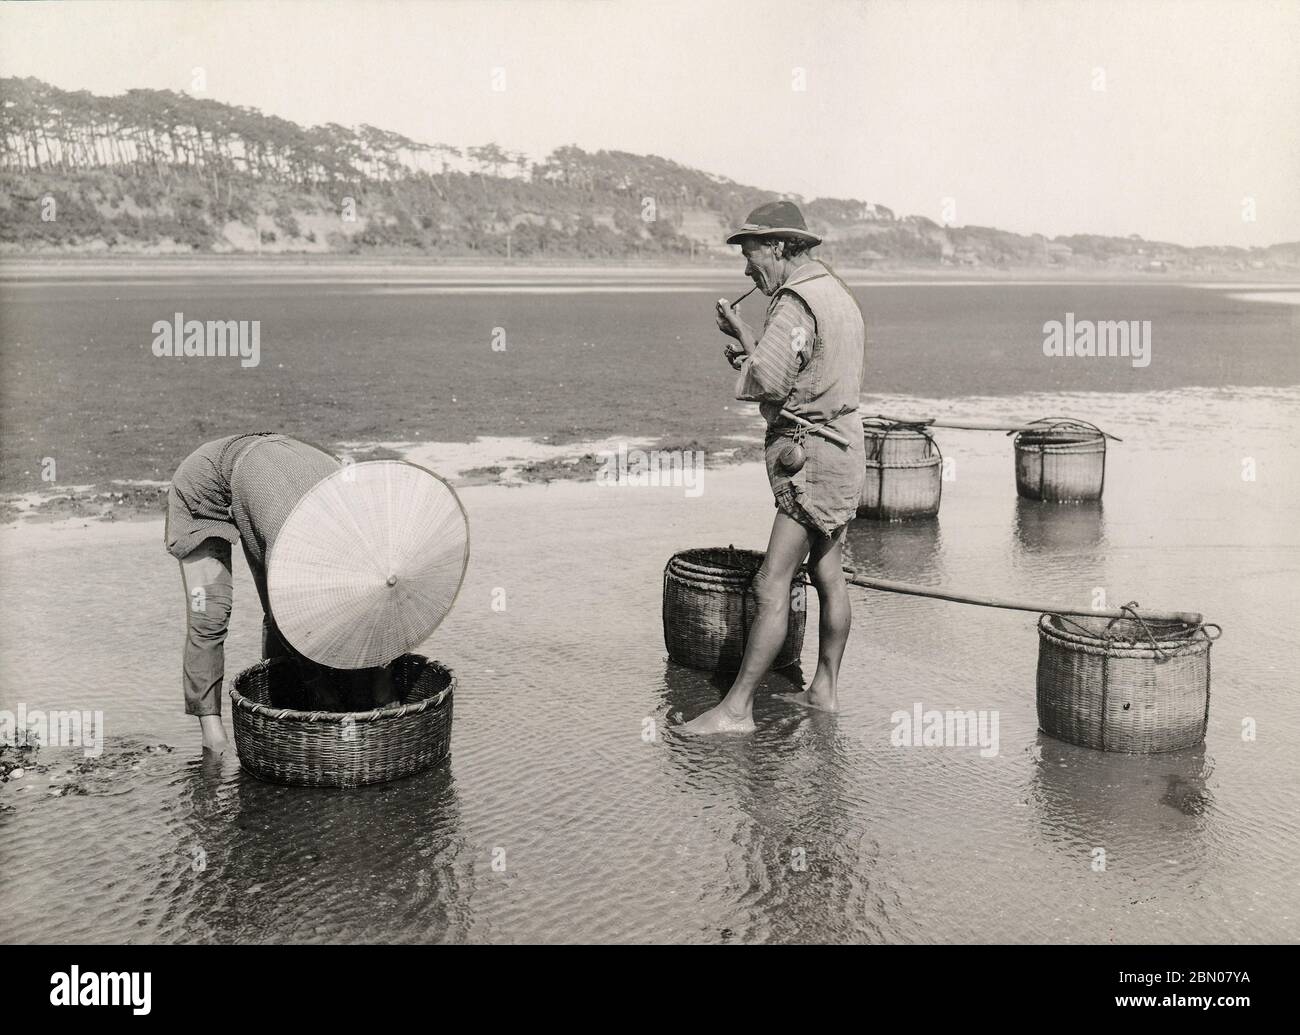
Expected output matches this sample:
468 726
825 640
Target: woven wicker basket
280 738
1140 687
709 606
1060 461
904 472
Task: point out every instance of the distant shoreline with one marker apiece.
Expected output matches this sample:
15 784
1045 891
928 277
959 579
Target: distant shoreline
31 267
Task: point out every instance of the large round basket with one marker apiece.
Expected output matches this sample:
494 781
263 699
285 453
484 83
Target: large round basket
709 606
904 472
1060 461
1130 685
280 736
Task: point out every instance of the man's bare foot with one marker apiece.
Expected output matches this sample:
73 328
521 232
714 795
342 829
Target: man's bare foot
719 720
814 697
214 737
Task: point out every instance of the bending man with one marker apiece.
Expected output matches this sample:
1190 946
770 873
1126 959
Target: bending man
239 489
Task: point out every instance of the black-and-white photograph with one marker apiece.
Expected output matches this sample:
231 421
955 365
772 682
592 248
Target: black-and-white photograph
632 472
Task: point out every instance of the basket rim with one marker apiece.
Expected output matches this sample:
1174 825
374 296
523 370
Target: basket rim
241 702
934 460
1045 428
1078 446
688 559
880 427
694 573
1190 644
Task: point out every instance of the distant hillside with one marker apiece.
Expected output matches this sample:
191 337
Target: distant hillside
153 172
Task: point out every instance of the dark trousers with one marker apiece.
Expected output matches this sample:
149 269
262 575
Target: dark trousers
209 583
208 579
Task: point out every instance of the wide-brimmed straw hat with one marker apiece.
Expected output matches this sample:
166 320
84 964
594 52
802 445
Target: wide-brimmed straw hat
775 218
368 563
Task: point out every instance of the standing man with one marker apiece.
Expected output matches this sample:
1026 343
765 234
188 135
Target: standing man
809 361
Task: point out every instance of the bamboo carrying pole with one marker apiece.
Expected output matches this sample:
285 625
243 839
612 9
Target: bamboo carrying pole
974 425
886 586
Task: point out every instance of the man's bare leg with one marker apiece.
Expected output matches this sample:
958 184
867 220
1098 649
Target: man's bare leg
835 618
786 550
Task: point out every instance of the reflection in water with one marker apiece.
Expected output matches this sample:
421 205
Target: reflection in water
789 836
1156 804
273 863
809 859
909 551
1056 527
689 691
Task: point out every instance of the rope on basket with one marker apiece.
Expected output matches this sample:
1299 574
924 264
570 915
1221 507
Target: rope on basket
1130 610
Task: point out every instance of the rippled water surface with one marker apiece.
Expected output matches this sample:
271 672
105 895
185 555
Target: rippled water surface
814 828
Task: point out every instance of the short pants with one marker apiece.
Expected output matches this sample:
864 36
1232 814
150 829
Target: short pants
787 502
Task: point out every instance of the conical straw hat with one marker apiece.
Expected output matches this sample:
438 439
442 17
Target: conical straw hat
368 563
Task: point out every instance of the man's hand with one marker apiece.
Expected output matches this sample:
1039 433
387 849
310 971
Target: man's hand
734 353
729 321
214 737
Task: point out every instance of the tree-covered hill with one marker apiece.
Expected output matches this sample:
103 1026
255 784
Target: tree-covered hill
154 171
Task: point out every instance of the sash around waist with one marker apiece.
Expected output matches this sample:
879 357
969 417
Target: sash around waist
785 428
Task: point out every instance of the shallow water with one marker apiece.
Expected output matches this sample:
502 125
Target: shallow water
556 359
607 836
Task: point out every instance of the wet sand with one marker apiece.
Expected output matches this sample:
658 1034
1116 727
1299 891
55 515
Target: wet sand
609 837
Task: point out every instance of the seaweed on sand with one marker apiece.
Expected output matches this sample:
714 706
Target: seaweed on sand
582 467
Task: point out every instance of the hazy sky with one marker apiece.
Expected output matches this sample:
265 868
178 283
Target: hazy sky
994 104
